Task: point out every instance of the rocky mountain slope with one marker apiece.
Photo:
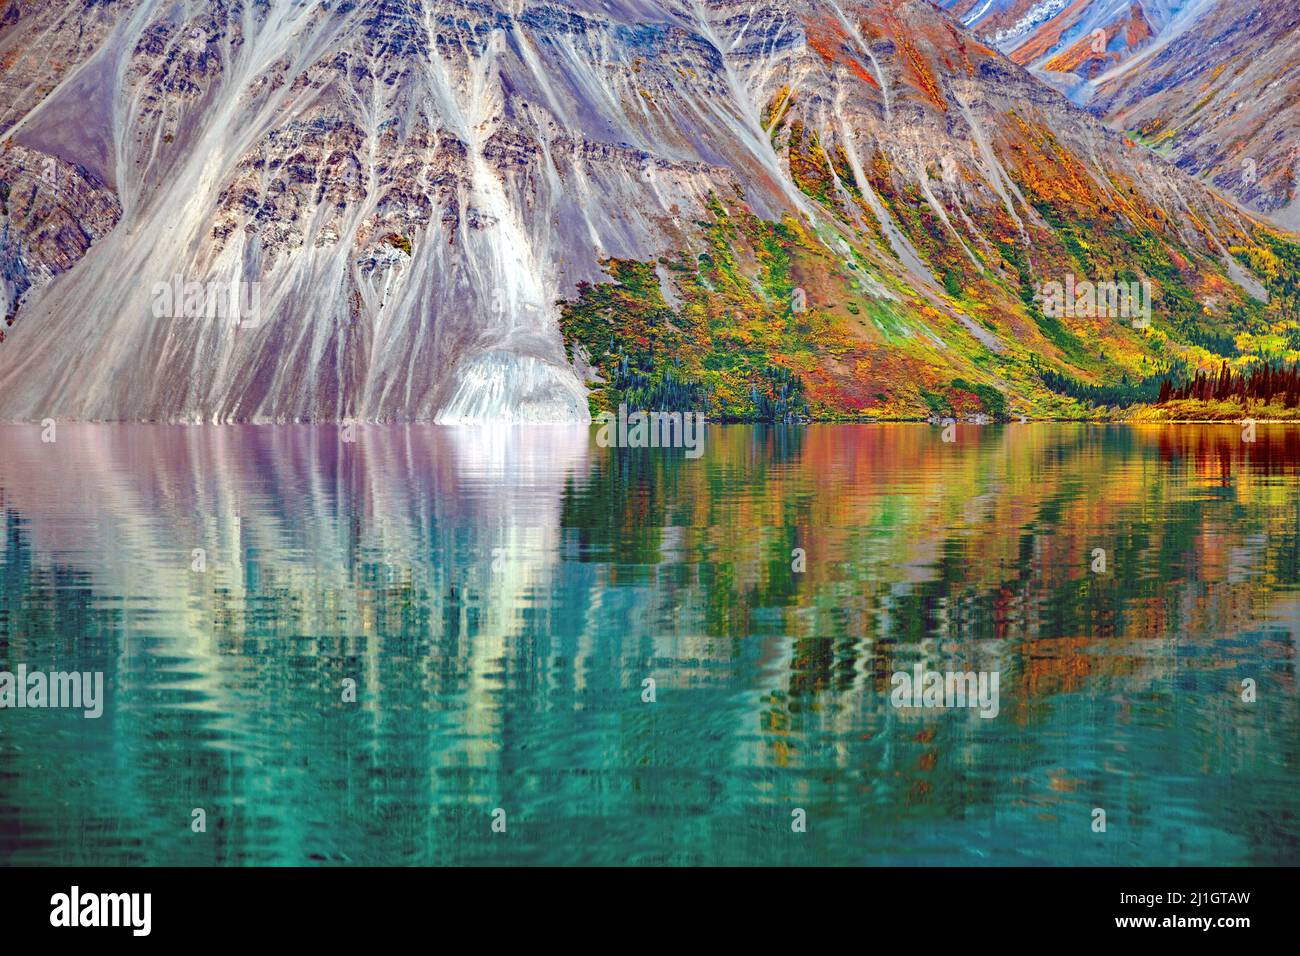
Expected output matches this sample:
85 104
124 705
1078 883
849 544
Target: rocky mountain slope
1082 38
1222 101
461 211
1213 85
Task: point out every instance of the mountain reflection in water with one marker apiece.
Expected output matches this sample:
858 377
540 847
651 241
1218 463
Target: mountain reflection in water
500 596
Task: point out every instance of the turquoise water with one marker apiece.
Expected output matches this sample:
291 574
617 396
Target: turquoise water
499 597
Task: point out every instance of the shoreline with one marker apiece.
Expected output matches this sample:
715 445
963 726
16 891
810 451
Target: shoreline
341 423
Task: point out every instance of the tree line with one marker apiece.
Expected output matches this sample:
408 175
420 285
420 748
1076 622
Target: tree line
1262 382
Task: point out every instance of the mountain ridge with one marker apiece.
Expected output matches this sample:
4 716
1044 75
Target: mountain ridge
469 212
1212 85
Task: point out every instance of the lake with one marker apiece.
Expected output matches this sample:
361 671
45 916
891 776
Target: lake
513 646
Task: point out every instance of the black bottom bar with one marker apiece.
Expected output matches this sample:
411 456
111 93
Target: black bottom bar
333 906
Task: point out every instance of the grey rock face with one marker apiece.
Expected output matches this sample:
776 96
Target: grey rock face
271 210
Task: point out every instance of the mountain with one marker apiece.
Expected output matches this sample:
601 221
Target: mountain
1212 85
268 210
1222 101
1079 37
